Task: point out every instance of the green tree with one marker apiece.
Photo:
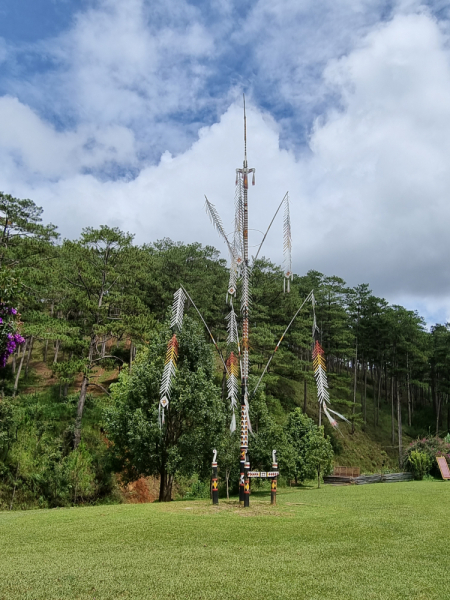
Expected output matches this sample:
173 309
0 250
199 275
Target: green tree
298 429
99 276
319 453
23 237
194 420
228 458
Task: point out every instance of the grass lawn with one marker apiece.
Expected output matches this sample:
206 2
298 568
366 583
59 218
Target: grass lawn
383 541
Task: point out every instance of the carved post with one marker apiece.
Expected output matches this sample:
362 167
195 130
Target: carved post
273 487
246 483
215 484
243 453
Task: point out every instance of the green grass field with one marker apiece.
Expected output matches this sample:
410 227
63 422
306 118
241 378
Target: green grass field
383 541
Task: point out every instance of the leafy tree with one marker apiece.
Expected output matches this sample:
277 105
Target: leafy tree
99 275
10 337
319 453
23 237
228 458
298 429
194 420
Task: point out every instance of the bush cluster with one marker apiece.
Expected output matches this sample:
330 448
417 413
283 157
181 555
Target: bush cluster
420 456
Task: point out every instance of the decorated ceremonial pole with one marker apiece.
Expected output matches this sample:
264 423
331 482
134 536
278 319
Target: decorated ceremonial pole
245 311
215 481
273 485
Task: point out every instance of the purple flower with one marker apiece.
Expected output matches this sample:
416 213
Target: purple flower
13 311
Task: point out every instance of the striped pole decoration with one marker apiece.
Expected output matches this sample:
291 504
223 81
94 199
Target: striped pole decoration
170 366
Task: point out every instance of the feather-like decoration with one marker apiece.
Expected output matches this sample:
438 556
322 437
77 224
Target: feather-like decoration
232 328
217 223
287 245
232 386
320 374
179 300
170 366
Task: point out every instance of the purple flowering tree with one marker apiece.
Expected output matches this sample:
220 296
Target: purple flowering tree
10 336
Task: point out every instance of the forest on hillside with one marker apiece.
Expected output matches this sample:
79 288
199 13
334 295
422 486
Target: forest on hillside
77 314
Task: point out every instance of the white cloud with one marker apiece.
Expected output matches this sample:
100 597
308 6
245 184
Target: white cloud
131 64
369 195
36 149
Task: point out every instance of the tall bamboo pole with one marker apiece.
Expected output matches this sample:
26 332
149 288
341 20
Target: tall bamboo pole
245 308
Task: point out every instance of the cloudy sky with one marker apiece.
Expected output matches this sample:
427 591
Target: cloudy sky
127 113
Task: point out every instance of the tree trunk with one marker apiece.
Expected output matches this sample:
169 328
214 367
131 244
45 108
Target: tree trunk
304 395
408 392
29 357
448 415
165 487
378 398
16 381
392 412
227 478
131 354
15 485
82 398
438 411
385 384
80 409
433 391
354 388
52 308
365 394
55 360
13 364
399 428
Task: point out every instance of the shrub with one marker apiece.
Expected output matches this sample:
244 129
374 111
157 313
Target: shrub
419 463
432 447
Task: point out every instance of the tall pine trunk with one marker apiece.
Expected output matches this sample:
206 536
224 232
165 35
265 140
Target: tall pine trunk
392 412
354 387
365 394
378 397
55 359
16 381
399 428
304 395
409 393
82 398
438 410
131 354
27 366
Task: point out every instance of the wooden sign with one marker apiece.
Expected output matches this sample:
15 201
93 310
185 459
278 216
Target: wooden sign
263 474
443 466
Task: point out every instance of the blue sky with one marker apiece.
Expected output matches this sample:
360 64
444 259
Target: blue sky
126 113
